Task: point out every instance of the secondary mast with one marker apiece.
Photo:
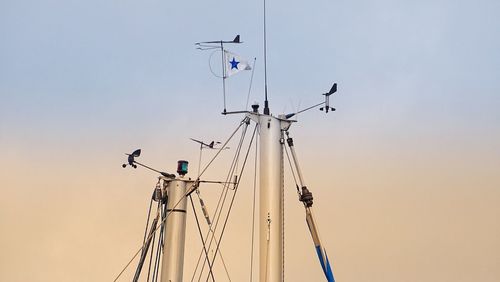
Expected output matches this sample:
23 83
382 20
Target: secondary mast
175 225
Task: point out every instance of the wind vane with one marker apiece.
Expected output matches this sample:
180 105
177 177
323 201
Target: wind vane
231 63
326 103
133 163
327 99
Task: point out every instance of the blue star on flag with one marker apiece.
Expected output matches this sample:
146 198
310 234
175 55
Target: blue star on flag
234 64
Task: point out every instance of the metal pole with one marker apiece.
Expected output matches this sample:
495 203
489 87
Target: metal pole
223 75
175 230
271 197
295 161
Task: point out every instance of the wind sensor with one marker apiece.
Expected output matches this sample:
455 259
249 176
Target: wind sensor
204 145
133 163
211 145
327 99
202 45
219 44
326 103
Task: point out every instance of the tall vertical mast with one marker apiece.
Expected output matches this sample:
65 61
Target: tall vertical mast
271 196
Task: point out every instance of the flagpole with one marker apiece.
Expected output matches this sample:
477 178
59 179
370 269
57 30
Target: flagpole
207 45
223 76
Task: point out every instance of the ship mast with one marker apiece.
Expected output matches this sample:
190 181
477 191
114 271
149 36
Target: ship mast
271 130
271 188
271 195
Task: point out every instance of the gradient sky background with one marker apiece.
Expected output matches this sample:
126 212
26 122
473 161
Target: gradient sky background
406 173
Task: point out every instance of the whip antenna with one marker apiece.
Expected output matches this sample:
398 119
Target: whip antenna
266 102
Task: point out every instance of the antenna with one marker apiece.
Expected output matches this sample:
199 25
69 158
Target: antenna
266 102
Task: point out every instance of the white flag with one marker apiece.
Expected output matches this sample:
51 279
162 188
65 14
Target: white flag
234 63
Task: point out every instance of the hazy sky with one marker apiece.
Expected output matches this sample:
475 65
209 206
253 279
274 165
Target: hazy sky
406 173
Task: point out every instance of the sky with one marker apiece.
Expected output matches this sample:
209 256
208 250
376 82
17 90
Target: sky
405 174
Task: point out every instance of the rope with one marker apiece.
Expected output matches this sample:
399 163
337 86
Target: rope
176 204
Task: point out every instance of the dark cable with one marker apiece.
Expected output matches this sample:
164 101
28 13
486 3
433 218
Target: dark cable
149 214
234 194
201 236
176 204
222 198
151 255
160 245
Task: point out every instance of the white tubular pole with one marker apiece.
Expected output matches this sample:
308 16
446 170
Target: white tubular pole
271 199
175 231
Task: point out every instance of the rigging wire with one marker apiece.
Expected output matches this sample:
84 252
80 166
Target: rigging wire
251 82
282 212
217 212
234 194
156 229
144 252
201 237
222 198
147 220
156 268
222 147
176 204
221 257
151 256
209 226
158 209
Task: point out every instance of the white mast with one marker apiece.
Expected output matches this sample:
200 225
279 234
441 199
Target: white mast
271 196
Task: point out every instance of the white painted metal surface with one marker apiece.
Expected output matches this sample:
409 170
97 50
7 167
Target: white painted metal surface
271 198
175 232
